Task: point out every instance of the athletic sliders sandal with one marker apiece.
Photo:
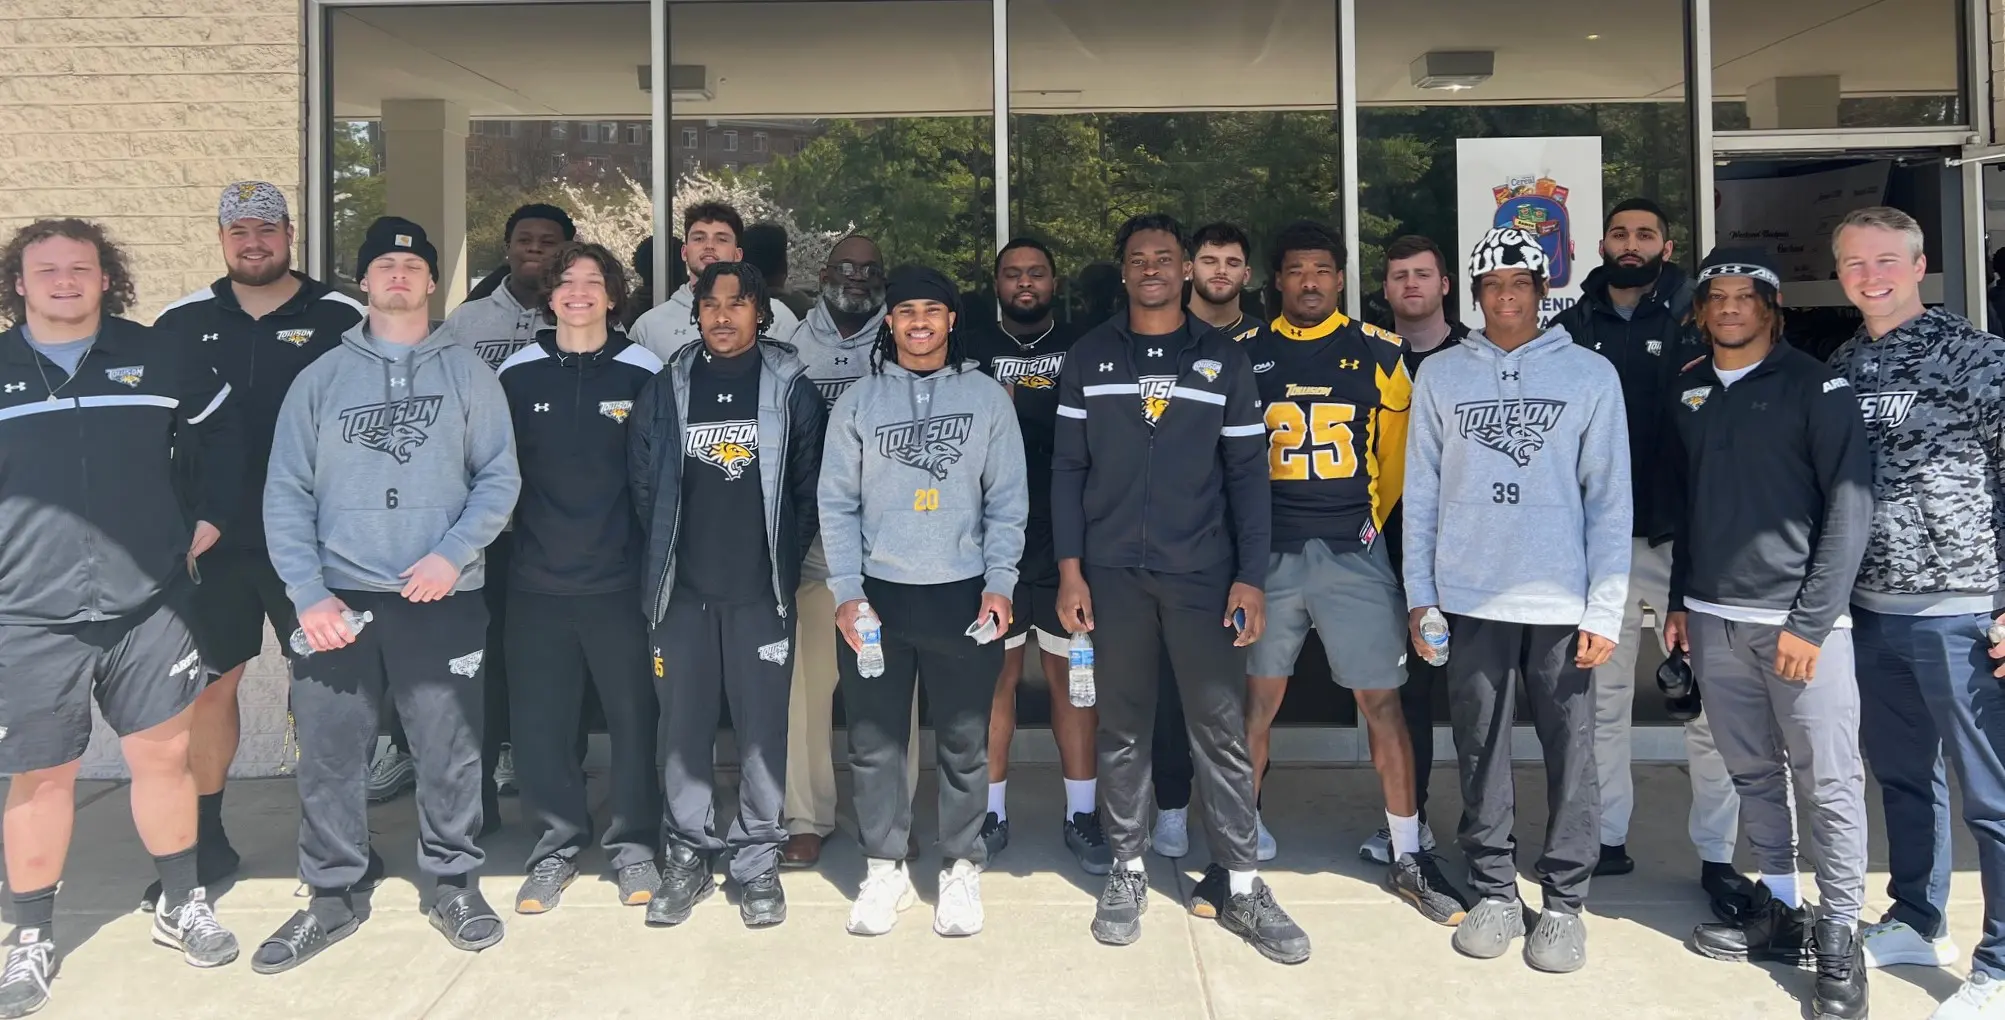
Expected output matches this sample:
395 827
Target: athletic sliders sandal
299 939
458 911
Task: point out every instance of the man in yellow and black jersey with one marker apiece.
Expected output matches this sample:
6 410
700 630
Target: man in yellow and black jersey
1335 393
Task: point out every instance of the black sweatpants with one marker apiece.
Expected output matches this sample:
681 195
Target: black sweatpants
1487 659
554 642
713 654
494 693
925 639
1137 614
1416 702
1169 748
428 658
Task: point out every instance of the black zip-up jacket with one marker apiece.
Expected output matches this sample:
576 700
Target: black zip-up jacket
791 411
1648 349
92 525
1176 497
1773 478
259 358
575 528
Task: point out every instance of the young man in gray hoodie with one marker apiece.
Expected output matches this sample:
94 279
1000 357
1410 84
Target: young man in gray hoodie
923 502
1517 528
393 467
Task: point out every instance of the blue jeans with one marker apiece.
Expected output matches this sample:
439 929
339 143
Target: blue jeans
1925 686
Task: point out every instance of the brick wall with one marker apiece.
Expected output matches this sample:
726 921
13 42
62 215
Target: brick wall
136 113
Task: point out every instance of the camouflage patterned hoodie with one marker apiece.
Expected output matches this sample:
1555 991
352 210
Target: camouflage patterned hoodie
1930 391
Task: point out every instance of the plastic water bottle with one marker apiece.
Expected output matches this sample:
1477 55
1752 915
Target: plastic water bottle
1080 685
303 648
1434 632
869 658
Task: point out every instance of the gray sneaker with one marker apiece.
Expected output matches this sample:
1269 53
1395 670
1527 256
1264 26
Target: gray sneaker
390 774
1486 932
1558 944
31 965
192 928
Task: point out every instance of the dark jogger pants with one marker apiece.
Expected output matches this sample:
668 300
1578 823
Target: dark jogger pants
741 655
554 644
1136 615
925 638
428 657
1487 659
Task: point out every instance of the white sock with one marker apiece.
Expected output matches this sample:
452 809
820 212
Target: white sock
1784 888
996 800
1405 833
1134 865
1241 882
1080 795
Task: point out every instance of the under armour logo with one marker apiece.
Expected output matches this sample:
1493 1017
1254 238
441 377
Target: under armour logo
1155 352
211 337
542 407
842 359
924 398
724 398
1507 375
1347 363
1597 345
1760 405
397 382
17 387
1106 366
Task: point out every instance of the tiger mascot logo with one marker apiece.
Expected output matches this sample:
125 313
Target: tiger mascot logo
728 446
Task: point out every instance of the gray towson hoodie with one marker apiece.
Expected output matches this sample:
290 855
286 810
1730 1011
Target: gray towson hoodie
923 482
377 463
834 362
495 326
1517 485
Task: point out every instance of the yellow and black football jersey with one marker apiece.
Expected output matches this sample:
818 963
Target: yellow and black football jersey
1335 396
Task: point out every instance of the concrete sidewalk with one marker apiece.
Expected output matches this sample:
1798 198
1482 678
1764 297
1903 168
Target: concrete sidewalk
594 958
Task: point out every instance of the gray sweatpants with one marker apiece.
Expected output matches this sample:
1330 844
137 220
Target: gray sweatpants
1767 728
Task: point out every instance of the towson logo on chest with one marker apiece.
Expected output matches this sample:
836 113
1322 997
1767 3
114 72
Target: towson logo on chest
1515 428
932 446
396 428
728 446
1037 372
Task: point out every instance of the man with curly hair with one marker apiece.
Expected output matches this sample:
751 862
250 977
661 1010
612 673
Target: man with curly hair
94 584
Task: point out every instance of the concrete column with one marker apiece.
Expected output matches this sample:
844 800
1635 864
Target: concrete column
1807 101
1996 80
424 170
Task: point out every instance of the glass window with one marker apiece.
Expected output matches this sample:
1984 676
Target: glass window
1205 111
1814 64
758 141
689 138
635 134
408 82
837 131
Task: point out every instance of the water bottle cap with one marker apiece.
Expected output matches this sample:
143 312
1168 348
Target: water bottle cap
863 607
368 617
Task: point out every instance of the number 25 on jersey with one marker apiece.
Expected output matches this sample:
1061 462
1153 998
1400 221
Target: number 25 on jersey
1315 443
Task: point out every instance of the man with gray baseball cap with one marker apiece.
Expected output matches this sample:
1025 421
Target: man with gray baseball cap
259 325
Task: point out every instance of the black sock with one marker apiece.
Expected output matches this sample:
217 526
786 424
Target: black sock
34 911
209 818
452 883
331 907
177 877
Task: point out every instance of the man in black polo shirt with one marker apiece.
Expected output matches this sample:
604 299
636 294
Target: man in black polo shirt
259 325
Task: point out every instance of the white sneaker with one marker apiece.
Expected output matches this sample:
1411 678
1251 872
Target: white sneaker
1172 835
1895 943
960 911
1265 848
1980 998
887 889
1378 847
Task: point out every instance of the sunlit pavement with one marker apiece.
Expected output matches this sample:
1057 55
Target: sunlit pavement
594 958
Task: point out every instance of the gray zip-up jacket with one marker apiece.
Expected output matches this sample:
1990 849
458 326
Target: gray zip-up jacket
668 327
923 482
1517 495
495 326
376 464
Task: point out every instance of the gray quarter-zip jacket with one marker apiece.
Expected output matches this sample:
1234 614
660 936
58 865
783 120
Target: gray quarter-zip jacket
376 464
923 482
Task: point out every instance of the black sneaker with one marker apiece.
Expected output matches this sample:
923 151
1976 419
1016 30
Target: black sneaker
762 903
994 836
214 864
1417 879
31 965
1259 920
544 886
1614 860
638 883
1731 894
1770 932
1841 972
1117 920
1207 900
1088 843
685 882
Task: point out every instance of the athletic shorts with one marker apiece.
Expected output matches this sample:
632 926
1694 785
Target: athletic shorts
142 670
1354 601
237 592
1034 604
